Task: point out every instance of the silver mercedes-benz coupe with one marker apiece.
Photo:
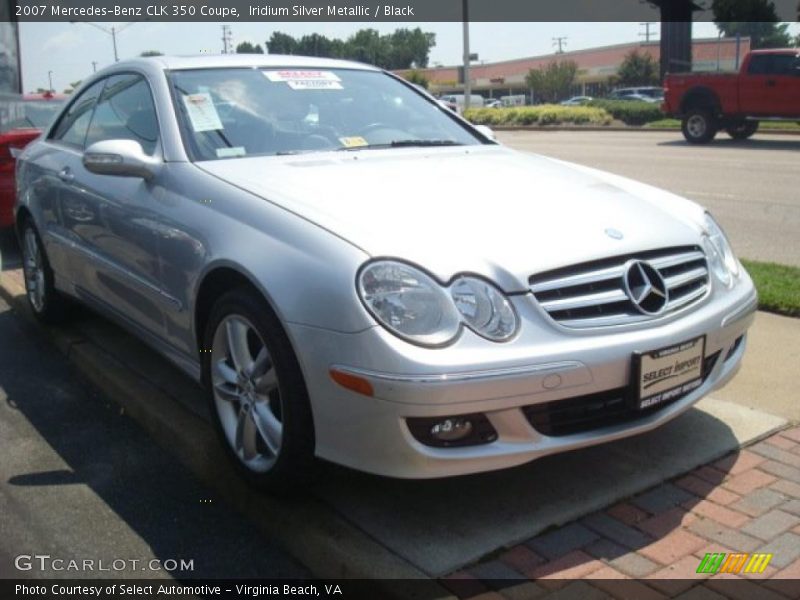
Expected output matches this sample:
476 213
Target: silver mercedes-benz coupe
358 274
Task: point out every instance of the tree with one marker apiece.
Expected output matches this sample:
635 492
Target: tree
754 18
638 68
151 53
553 81
72 87
248 48
281 43
403 49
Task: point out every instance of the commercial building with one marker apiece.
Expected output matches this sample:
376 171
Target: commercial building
596 67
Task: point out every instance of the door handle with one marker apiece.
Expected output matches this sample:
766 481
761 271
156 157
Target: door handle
66 175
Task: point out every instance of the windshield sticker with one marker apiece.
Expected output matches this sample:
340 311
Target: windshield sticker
231 152
301 75
353 142
202 112
314 84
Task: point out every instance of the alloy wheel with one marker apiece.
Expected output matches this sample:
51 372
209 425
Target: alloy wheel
33 268
246 393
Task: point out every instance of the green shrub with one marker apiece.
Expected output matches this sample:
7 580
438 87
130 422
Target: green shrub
630 112
544 114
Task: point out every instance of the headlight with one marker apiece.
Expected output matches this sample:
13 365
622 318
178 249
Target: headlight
484 308
414 306
720 255
408 302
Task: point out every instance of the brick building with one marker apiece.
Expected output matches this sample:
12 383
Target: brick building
595 67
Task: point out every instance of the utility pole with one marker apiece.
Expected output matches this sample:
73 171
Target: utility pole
560 42
50 79
113 31
227 37
94 66
467 83
646 34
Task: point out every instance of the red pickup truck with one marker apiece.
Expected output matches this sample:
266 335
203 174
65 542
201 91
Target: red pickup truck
766 88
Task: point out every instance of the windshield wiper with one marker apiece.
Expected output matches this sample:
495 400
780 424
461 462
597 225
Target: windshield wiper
402 144
424 143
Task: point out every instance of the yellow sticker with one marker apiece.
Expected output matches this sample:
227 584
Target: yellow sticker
353 142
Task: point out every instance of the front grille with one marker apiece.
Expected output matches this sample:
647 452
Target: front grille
592 294
594 411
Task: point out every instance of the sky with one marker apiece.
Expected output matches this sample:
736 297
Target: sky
67 50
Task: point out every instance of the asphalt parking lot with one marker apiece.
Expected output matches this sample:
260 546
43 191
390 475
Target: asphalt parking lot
750 186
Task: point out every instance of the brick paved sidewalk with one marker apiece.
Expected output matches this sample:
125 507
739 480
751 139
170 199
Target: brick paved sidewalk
748 501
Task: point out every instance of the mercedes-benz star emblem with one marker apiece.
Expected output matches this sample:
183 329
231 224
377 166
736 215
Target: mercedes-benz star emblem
645 287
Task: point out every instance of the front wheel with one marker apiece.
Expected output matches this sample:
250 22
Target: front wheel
257 392
47 304
742 130
699 126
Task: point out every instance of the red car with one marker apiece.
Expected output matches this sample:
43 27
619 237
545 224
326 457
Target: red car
27 117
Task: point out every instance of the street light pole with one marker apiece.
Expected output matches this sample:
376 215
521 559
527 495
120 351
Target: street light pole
467 83
50 79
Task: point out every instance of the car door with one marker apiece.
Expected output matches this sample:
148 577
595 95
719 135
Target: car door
46 175
791 84
769 87
111 219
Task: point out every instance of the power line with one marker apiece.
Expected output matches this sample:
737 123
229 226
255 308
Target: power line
560 42
646 34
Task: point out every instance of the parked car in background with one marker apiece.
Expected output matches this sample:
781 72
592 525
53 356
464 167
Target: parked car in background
343 288
642 94
26 119
577 101
493 104
475 100
766 88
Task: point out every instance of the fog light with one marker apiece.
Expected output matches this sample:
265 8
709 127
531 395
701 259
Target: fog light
443 432
451 430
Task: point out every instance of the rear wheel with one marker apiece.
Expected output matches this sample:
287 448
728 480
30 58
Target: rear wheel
47 304
699 126
742 130
257 393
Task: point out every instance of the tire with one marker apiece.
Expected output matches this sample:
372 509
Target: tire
699 126
47 304
742 130
257 394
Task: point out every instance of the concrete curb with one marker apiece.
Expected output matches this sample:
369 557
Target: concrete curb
308 529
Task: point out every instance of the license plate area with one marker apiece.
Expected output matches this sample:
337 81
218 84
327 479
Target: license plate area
667 373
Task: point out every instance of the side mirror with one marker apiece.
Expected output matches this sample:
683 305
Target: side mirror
124 158
487 131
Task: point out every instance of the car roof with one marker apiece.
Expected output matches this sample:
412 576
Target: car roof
206 61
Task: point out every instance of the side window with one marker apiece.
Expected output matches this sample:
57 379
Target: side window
759 64
125 112
784 64
72 126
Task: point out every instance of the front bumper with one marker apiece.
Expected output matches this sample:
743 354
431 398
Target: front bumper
544 364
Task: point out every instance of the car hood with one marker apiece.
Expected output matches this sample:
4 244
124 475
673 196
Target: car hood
482 209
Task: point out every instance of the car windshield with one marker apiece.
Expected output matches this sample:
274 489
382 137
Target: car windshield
36 114
228 113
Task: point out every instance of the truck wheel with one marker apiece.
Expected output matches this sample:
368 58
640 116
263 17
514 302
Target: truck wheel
699 126
742 130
